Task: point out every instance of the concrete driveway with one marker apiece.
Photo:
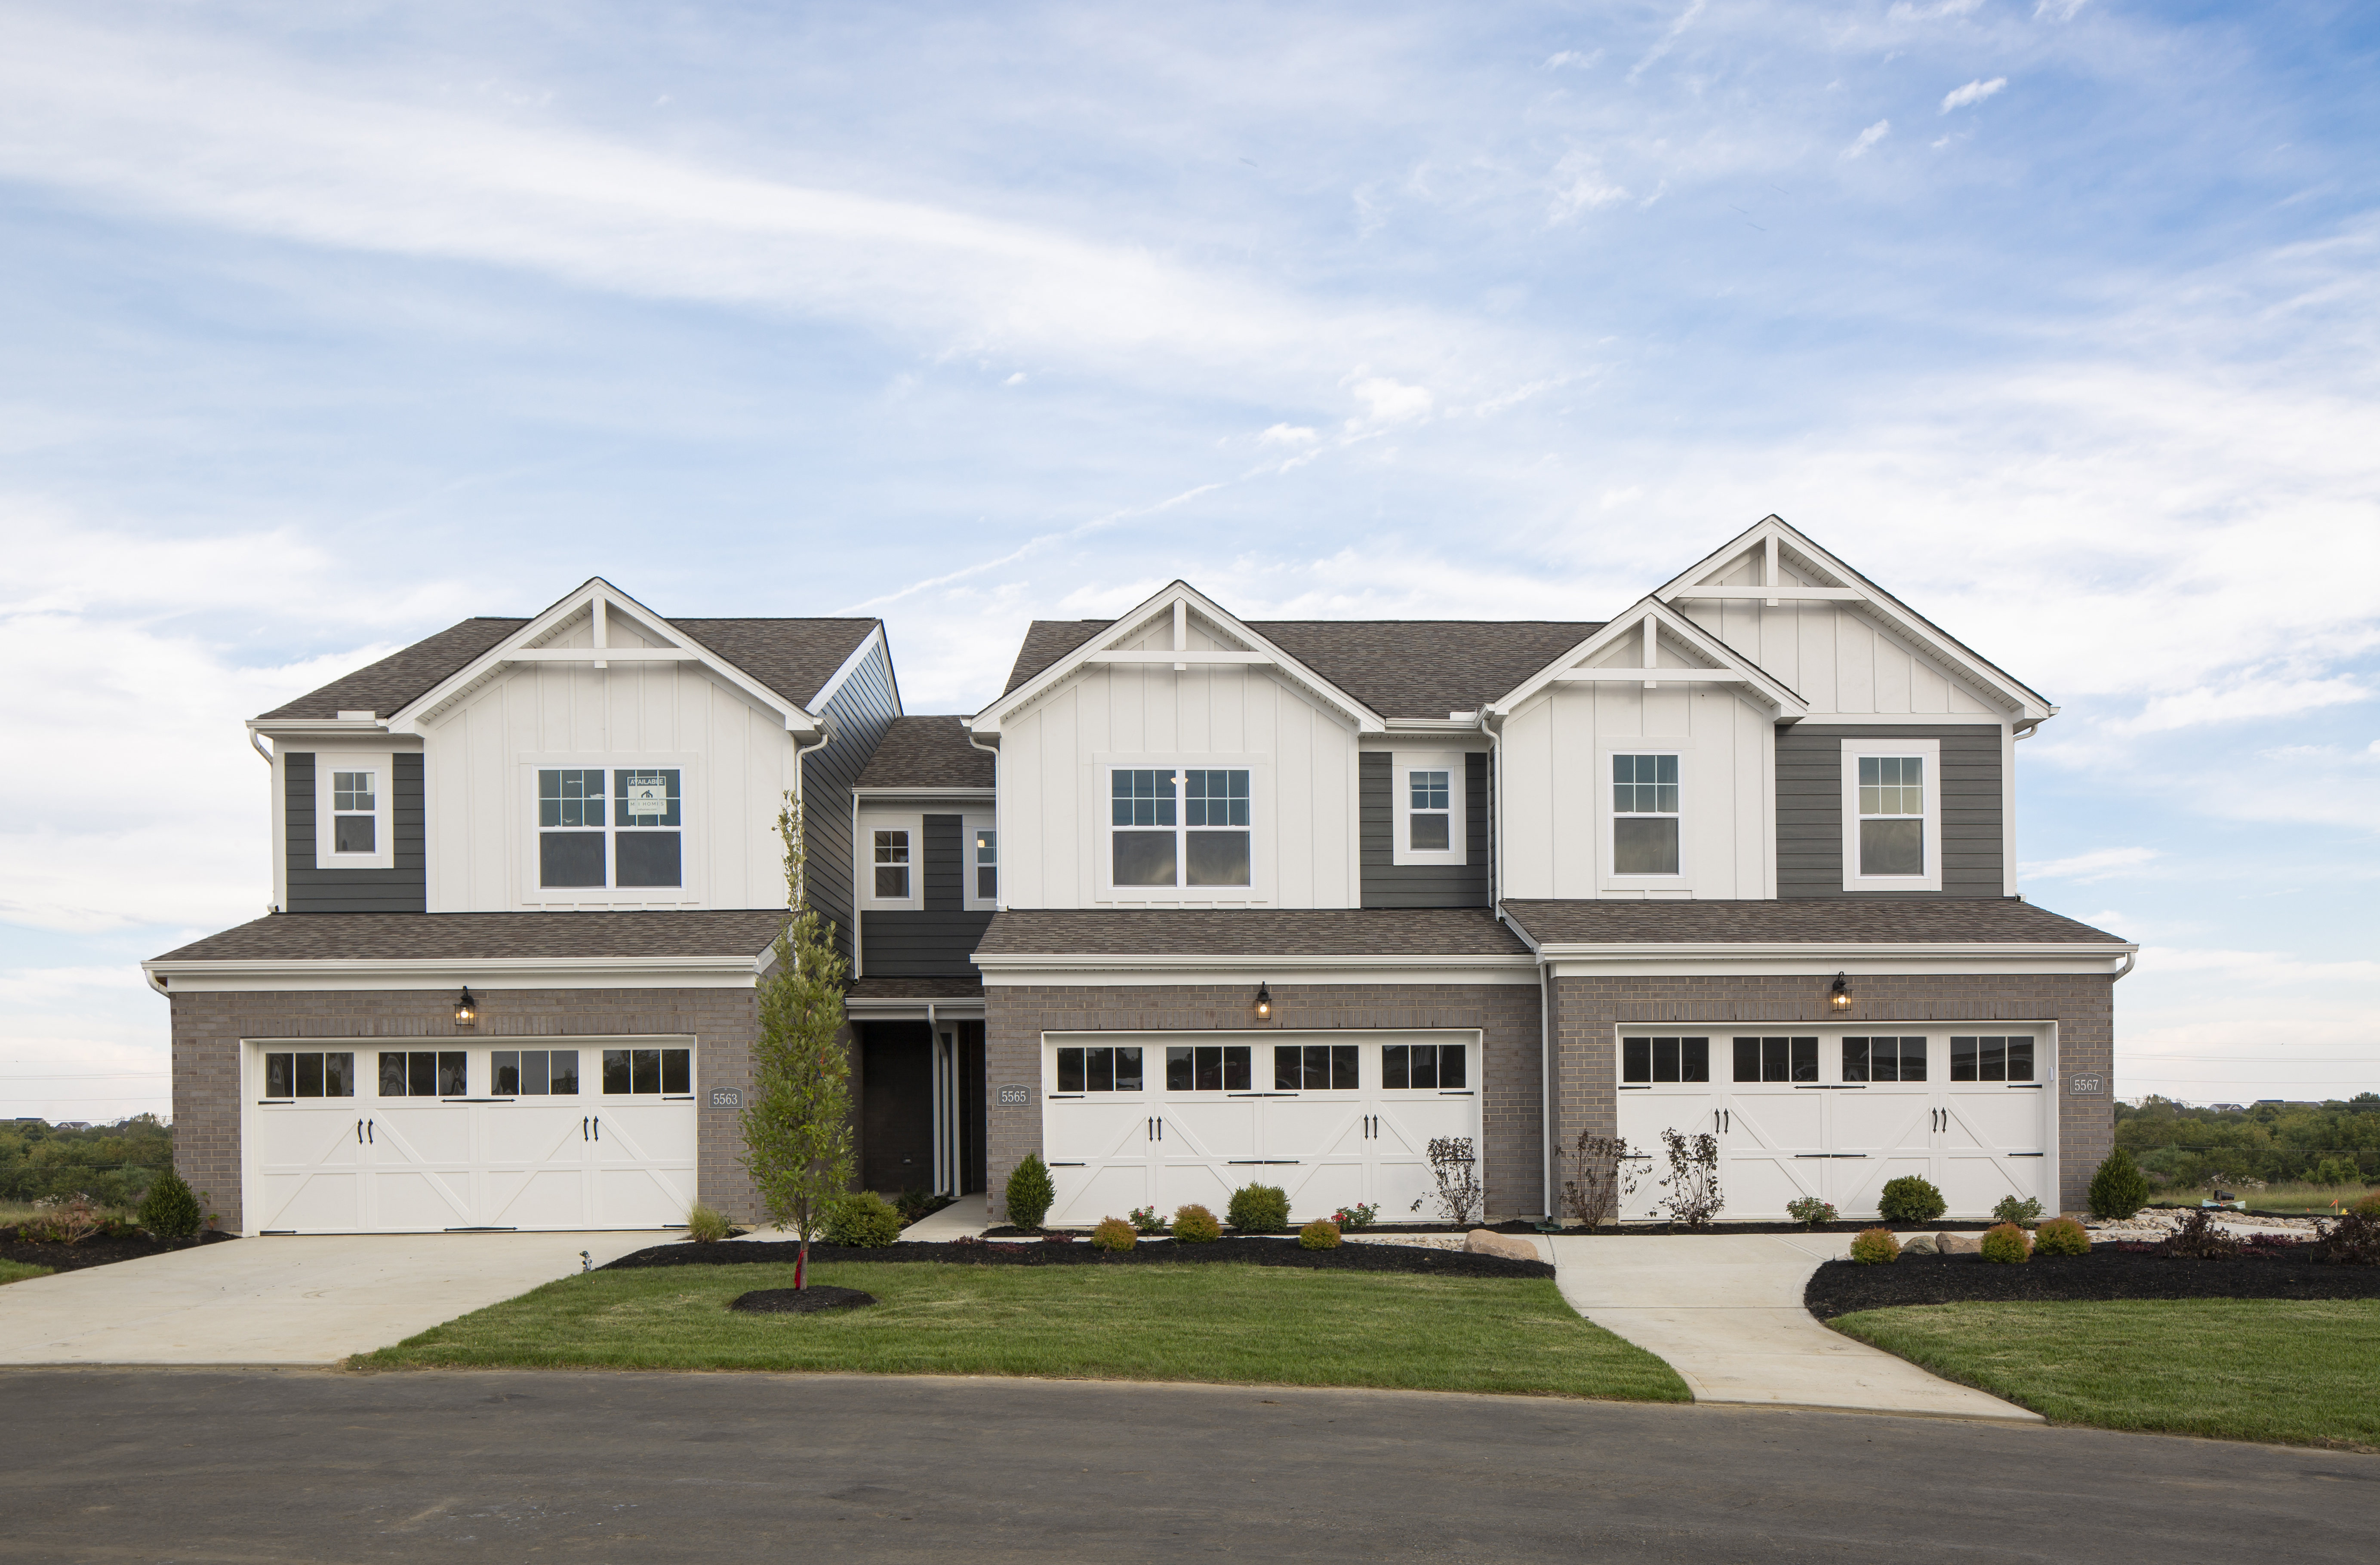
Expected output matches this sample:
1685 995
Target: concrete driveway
1725 1314
283 1301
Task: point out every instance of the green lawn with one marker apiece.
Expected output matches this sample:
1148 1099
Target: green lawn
2312 1199
2292 1371
1215 1322
16 1271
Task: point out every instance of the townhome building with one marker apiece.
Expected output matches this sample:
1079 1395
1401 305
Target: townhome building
1196 901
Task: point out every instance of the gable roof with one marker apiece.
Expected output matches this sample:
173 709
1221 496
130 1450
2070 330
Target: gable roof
1399 667
927 752
1649 624
381 688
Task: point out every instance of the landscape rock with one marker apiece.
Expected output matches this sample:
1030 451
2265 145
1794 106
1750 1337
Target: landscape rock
1958 1244
1486 1241
1921 1245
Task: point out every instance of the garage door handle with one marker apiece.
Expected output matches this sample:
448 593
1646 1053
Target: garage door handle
360 1133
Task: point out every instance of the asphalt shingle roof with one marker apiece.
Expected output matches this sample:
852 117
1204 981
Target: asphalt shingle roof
1817 920
1257 932
917 989
446 936
927 752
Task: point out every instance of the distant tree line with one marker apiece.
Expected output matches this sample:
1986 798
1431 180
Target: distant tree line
2176 1145
112 1164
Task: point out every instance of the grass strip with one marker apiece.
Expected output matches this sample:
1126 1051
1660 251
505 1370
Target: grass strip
1233 1324
2292 1372
17 1271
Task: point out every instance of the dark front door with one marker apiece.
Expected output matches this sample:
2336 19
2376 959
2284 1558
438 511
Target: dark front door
897 1111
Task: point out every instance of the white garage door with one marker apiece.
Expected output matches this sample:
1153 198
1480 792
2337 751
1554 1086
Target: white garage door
1165 1119
575 1134
1837 1114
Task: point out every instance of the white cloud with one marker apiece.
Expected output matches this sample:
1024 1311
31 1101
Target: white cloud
2240 699
1390 401
1668 40
2083 869
1904 11
1287 434
1579 186
1973 92
1576 58
1868 138
1015 380
2058 10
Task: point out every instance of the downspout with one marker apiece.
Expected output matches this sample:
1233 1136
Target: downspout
1546 1078
1545 978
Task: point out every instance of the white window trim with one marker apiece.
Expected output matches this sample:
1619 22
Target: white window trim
1927 750
382 765
1402 764
969 824
873 821
1260 806
1607 849
693 835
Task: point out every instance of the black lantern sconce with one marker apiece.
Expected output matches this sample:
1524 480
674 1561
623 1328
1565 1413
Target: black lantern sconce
1264 1002
467 1010
1838 997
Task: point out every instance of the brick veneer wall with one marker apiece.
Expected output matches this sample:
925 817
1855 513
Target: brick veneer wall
1512 1104
1586 1011
209 1030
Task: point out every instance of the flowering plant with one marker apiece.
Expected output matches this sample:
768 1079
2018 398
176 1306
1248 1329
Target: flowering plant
1357 1215
1144 1220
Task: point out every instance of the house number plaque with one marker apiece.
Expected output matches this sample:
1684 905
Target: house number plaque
1015 1097
727 1098
2087 1086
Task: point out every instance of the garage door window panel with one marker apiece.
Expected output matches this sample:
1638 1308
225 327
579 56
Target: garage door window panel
1986 1059
1207 1067
633 1072
534 1073
423 1072
1884 1059
1423 1067
1316 1067
1099 1070
1793 1059
1653 1060
288 1077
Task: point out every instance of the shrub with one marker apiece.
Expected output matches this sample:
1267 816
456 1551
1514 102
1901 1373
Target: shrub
1359 1216
1196 1225
2369 1207
913 1205
1456 1170
866 1219
1603 1177
2119 1189
70 1220
1030 1192
2024 1213
170 1210
2353 1240
1319 1234
1693 1183
1144 1219
1259 1208
2061 1236
1114 1233
1809 1211
1910 1198
1875 1247
2199 1240
2007 1244
704 1224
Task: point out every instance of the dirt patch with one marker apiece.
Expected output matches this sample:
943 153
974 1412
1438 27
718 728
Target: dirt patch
1251 1251
95 1250
2127 1272
817 1298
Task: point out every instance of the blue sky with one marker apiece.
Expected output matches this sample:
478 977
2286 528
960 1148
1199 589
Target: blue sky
327 325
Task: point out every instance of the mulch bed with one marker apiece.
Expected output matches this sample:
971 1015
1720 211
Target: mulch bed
1631 1231
1408 1259
2109 1271
95 1251
816 1299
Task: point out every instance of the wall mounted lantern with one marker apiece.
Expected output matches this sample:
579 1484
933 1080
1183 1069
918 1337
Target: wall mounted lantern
467 1010
1264 1002
1839 998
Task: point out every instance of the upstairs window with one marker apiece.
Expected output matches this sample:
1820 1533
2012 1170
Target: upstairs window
1644 815
355 812
1428 824
1427 808
891 851
353 819
1892 815
1174 828
609 827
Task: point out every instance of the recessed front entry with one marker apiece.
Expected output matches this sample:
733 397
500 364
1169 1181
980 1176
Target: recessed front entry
572 1133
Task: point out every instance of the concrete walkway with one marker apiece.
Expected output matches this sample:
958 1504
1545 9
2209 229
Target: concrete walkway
283 1300
1725 1314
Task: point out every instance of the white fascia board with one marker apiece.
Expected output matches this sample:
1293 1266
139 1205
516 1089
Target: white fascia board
1628 626
2029 703
319 728
406 720
1095 971
867 643
910 796
890 1008
1132 624
1672 958
482 971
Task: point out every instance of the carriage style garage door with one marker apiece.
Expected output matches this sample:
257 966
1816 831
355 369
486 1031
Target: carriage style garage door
570 1133
1334 1118
1836 1114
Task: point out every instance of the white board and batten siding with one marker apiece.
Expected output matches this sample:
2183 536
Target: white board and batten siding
483 754
1055 756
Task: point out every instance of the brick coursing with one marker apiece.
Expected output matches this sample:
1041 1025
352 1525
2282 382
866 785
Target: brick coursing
1507 1016
210 1028
1585 1012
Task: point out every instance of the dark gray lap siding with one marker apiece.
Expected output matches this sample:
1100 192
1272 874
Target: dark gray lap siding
405 889
860 712
1389 884
939 939
1810 808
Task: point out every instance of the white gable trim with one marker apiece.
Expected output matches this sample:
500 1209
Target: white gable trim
1177 601
1651 625
1773 535
596 598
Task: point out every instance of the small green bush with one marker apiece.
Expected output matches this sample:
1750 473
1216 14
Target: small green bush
1809 1211
2119 1189
1196 1225
2008 1244
866 1219
1113 1233
170 1210
2024 1213
1319 1234
1259 1208
2061 1236
1030 1192
1144 1220
705 1225
1875 1247
2369 1207
1910 1198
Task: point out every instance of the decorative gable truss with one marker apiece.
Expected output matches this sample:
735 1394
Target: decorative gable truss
1850 648
1652 646
1180 628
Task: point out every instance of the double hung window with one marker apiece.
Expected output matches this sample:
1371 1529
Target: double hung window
353 818
1428 807
1644 814
355 811
984 844
609 827
1179 827
890 856
1892 815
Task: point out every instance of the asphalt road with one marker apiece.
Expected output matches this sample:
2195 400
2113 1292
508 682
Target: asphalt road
165 1464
